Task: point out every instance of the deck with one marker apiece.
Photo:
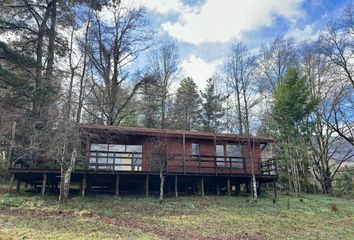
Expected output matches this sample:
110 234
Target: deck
211 172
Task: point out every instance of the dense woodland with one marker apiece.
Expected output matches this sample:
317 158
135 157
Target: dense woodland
63 63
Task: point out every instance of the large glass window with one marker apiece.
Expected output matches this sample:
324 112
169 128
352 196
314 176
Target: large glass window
229 154
234 155
116 157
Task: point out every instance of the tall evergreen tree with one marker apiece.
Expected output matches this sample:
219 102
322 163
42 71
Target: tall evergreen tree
293 105
212 109
187 105
150 102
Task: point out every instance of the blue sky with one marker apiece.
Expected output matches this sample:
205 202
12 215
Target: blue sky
203 30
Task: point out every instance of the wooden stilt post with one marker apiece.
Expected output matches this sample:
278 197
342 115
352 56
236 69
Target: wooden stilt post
228 187
218 189
18 186
248 187
83 186
12 179
88 184
169 185
176 186
259 188
44 183
147 186
184 153
116 191
238 189
202 185
275 190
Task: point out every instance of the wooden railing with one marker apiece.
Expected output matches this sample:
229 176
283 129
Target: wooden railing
269 167
175 164
208 164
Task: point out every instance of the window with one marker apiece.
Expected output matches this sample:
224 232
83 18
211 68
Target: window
116 157
220 156
234 155
195 150
229 154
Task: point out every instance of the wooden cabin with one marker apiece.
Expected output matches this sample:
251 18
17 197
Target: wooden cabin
123 159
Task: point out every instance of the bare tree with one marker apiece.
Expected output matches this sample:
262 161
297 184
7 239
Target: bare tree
240 69
274 61
112 47
336 44
164 67
158 160
328 151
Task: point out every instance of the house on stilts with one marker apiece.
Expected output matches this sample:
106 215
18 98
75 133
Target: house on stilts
119 160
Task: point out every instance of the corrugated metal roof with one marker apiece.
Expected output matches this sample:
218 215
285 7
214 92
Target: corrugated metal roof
174 133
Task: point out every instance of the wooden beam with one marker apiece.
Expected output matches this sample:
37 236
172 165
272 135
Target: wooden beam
83 186
44 183
215 163
18 185
147 186
259 188
202 185
176 186
184 152
116 190
275 189
12 179
228 187
238 189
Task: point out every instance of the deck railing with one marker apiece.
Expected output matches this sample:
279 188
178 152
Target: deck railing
269 167
175 164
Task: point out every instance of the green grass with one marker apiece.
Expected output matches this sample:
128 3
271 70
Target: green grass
107 217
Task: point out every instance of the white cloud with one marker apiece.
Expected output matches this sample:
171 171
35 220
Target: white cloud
164 7
307 33
199 70
222 20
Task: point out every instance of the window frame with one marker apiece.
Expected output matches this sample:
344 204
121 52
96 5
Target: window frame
229 161
114 156
198 150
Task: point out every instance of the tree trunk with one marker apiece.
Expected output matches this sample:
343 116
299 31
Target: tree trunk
162 182
12 144
51 44
61 191
67 176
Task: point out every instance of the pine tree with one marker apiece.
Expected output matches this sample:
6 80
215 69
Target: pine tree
293 106
212 109
150 103
187 105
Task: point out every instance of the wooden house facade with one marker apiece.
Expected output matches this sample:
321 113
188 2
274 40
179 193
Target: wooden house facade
120 159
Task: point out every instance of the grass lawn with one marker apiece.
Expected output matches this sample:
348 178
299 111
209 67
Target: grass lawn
31 216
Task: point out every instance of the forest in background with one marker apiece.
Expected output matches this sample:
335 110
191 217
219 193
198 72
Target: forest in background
63 63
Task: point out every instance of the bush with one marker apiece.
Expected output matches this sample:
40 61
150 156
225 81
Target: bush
344 183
